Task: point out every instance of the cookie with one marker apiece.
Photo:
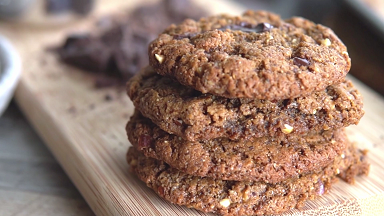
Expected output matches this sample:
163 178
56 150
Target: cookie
257 55
266 159
242 197
193 116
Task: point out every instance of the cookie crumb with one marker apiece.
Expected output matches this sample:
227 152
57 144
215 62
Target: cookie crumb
108 97
225 202
159 58
287 129
72 109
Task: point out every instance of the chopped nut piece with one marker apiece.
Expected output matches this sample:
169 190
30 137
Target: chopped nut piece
160 58
225 202
326 127
133 162
326 42
287 129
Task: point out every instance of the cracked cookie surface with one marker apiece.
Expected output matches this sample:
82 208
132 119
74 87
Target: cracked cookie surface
266 159
189 114
256 55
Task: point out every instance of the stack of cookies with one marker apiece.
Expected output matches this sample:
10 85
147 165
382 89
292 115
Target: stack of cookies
244 115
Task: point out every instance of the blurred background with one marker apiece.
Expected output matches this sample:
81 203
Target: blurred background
29 172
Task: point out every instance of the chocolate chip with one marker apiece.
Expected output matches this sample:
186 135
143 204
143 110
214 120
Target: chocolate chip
286 102
362 158
160 190
178 122
145 141
185 35
300 61
262 27
247 27
236 28
321 187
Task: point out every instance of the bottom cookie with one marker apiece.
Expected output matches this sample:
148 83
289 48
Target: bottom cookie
243 197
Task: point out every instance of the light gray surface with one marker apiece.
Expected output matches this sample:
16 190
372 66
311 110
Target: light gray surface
31 180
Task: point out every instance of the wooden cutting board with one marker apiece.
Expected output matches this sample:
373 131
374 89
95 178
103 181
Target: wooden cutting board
86 132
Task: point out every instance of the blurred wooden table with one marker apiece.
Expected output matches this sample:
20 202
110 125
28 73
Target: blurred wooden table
31 180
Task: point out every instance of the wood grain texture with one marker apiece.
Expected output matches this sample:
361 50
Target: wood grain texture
31 180
86 133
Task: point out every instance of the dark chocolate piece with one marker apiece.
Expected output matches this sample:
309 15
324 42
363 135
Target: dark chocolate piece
300 61
82 7
57 6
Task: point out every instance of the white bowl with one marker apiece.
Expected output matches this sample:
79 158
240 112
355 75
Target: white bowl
10 67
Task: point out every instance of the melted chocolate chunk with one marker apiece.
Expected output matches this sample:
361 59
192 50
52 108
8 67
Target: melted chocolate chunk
262 27
185 35
145 141
321 187
300 61
247 27
178 122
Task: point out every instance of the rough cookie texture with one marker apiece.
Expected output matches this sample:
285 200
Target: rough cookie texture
191 115
242 197
257 55
266 159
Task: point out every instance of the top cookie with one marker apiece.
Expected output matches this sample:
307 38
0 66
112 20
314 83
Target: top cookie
257 55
